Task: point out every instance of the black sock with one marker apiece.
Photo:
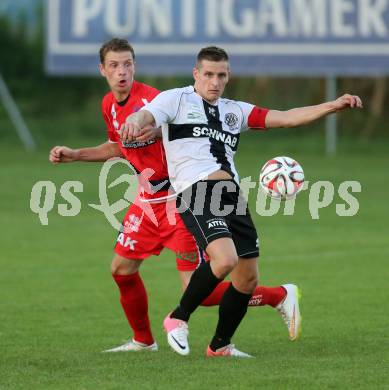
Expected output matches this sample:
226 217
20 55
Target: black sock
232 309
201 284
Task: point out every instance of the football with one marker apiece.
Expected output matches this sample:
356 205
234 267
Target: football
281 178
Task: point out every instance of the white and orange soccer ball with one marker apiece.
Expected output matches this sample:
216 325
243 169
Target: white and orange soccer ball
282 178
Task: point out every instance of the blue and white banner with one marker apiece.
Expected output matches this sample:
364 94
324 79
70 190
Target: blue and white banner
283 37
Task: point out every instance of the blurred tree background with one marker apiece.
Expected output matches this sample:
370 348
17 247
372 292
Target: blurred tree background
62 109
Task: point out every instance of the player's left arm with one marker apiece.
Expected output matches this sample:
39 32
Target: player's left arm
304 115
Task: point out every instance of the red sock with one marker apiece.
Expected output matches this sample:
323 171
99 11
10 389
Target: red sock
216 295
267 296
133 298
261 296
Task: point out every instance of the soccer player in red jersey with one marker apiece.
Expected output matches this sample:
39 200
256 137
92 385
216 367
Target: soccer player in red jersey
140 237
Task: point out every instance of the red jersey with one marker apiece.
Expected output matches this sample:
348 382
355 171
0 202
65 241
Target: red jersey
141 155
142 236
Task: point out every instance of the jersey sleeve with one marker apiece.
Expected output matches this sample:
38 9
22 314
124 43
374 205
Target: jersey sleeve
164 106
253 116
152 94
110 131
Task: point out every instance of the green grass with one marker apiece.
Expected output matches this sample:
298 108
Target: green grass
59 307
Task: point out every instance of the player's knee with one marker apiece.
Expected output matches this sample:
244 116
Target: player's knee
123 266
252 283
115 268
247 284
226 264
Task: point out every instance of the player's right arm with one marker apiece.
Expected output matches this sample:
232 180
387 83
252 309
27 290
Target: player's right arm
103 152
162 109
132 128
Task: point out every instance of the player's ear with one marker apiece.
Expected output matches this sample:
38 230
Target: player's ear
101 69
195 73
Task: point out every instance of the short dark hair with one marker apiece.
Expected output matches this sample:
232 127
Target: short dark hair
115 44
212 53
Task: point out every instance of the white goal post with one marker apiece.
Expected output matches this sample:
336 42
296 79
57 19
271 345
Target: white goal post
15 116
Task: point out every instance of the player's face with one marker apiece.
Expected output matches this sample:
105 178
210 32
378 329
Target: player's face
210 79
119 69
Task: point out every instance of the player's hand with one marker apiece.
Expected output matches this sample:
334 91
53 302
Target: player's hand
347 101
63 154
129 131
148 133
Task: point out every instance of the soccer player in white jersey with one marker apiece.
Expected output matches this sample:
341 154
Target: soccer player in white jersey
200 132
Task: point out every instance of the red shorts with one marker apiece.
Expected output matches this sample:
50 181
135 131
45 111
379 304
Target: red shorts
148 228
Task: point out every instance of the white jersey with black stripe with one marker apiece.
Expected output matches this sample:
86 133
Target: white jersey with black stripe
199 138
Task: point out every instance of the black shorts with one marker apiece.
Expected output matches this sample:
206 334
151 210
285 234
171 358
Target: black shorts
212 209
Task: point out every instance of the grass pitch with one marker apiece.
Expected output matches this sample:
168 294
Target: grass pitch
59 307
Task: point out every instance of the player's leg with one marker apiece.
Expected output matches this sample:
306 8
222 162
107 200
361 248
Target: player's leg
213 234
284 298
246 242
207 276
261 296
202 282
233 307
185 278
134 301
189 256
177 238
244 279
136 241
